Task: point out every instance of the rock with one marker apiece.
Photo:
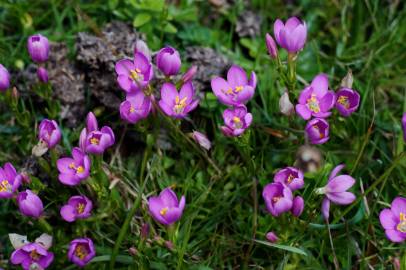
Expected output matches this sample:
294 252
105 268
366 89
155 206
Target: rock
248 24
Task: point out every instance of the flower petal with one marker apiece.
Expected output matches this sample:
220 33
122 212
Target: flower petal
325 208
236 76
340 183
388 219
341 198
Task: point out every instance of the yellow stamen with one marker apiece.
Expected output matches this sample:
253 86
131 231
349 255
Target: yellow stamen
134 74
313 104
180 104
276 199
34 255
343 100
290 179
132 109
81 252
229 91
163 211
239 88
401 227
94 141
236 119
80 208
80 169
72 166
5 186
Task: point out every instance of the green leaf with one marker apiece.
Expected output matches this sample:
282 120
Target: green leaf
152 5
170 28
287 248
141 19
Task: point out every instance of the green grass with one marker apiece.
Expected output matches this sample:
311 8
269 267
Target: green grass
220 218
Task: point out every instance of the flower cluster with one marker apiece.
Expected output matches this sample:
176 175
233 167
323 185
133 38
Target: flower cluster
235 92
134 78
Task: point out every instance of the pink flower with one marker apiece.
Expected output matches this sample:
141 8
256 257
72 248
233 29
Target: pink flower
291 177
74 170
49 132
393 220
316 100
177 104
278 198
10 181
136 107
272 237
32 256
236 121
298 206
38 48
336 190
317 131
292 35
168 61
271 46
165 208
237 89
4 78
347 101
30 204
78 207
81 251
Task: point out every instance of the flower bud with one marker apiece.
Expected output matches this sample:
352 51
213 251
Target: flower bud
271 46
285 106
145 231
298 206
202 140
142 47
42 74
272 237
30 204
38 48
189 74
4 78
168 61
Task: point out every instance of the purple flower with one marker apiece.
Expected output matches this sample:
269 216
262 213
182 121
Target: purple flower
38 48
404 126
317 130
10 181
95 141
271 46
188 76
316 100
137 106
134 75
336 190
278 198
49 132
202 140
4 78
81 251
73 170
236 121
177 104
298 206
30 204
272 237
237 89
31 255
78 207
42 74
292 35
142 47
347 101
168 61
393 220
291 177
165 208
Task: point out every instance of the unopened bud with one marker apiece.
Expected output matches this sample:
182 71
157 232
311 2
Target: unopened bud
285 106
133 251
271 46
145 231
189 74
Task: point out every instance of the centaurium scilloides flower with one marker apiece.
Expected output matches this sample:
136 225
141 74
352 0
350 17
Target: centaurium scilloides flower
49 133
177 104
278 198
81 251
317 131
74 170
10 181
168 61
4 78
30 204
393 220
165 208
236 121
291 35
38 48
316 100
237 89
136 107
78 207
347 101
291 177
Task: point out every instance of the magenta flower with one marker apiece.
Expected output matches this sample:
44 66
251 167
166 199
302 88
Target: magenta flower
278 198
336 190
78 207
236 121
347 101
393 220
142 47
202 140
271 46
291 177
4 78
165 208
190 73
38 48
177 104
237 89
81 251
297 206
317 131
134 75
49 132
272 237
316 100
42 74
30 204
137 106
32 256
10 181
95 141
404 126
168 61
73 170
292 35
